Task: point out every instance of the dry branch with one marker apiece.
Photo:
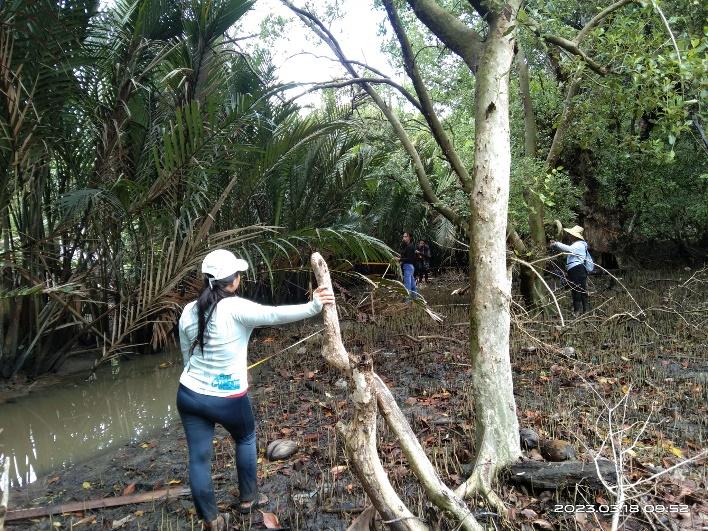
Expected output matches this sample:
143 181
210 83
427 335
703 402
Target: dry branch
332 348
360 434
439 493
23 514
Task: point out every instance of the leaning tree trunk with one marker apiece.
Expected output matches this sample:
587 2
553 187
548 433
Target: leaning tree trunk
497 434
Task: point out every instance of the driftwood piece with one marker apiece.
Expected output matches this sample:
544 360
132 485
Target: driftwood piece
359 434
23 514
368 392
332 348
540 476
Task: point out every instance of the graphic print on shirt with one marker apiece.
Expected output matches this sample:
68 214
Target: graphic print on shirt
225 382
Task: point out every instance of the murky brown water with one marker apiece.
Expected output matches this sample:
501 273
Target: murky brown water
76 420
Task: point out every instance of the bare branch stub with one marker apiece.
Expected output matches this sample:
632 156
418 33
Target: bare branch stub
333 350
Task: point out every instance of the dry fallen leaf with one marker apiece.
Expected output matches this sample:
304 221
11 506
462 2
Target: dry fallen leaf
363 521
120 523
52 480
270 520
336 470
130 489
543 524
529 514
86 485
174 482
87 520
676 451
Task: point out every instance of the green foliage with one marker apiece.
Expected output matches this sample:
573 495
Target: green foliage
634 145
148 143
560 197
660 200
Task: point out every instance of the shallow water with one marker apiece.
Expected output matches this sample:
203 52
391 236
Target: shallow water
77 419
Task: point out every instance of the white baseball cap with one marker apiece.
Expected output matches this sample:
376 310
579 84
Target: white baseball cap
222 263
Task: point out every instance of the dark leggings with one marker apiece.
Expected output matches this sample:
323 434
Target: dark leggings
578 282
199 413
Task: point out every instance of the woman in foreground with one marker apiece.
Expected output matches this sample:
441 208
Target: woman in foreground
214 332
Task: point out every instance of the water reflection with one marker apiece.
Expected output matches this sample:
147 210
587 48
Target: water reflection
66 424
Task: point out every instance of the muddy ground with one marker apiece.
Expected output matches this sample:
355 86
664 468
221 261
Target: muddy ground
647 343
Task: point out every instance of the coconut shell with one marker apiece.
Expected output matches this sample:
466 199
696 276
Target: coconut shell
280 449
529 438
557 450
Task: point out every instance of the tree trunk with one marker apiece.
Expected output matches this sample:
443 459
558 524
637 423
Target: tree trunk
497 430
4 489
531 286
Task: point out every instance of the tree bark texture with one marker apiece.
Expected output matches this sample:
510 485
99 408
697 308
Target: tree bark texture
333 349
360 445
497 440
535 205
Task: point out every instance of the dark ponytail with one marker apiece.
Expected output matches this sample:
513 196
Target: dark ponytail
212 293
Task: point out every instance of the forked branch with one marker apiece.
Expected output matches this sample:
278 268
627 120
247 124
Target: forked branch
367 389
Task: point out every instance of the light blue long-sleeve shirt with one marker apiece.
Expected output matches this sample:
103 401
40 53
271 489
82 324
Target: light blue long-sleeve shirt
221 370
577 252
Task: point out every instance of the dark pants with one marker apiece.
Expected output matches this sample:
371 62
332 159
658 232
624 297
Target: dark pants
578 283
421 272
199 414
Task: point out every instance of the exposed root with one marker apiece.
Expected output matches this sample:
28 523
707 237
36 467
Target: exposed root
480 484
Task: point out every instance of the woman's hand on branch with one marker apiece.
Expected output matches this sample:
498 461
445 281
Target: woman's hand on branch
324 295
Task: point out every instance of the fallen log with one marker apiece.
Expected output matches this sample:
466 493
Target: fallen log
23 514
538 476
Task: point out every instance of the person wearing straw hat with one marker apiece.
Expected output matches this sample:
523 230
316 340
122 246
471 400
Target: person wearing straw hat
214 331
577 255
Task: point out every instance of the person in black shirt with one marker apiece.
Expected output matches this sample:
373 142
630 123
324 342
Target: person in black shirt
422 267
408 260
